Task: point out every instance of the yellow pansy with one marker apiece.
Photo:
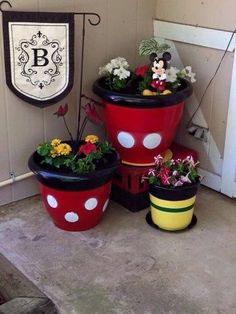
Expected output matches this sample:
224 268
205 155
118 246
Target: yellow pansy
55 142
91 138
63 149
53 153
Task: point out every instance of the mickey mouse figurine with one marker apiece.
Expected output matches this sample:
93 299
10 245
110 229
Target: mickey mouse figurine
158 68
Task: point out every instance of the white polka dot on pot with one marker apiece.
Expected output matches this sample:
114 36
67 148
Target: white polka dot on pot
52 202
71 217
91 203
105 205
152 140
126 139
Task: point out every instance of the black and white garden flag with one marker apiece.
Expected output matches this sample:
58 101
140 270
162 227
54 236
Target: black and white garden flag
39 55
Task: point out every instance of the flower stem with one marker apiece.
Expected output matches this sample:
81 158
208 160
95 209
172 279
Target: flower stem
71 137
82 128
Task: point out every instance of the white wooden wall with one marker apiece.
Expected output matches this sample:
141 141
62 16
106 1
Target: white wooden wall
23 126
217 154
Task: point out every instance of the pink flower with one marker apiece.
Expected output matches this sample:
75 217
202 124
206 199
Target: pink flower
165 179
151 172
143 179
185 179
92 114
158 159
164 176
175 173
178 183
87 148
141 70
62 111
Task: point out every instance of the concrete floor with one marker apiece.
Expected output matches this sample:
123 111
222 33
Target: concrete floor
123 266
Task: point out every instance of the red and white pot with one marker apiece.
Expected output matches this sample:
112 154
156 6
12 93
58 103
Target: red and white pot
74 202
141 127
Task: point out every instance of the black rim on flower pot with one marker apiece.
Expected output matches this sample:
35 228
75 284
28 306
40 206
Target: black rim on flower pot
129 96
63 179
174 193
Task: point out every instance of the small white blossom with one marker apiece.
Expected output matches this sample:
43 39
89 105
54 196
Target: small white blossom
109 67
122 73
151 172
171 74
119 62
187 73
106 69
190 74
102 71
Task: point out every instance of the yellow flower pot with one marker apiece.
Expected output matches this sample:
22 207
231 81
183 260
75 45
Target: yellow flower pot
172 208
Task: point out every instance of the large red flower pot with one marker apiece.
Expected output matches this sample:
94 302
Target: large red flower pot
74 202
141 127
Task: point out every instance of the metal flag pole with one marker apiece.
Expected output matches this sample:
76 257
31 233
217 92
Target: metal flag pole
2 2
82 62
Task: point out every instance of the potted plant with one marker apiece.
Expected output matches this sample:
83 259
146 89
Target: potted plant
75 176
173 185
142 109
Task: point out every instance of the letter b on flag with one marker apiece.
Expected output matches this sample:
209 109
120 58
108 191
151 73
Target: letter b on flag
40 59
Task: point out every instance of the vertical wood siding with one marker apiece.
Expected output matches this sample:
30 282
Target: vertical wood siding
204 62
22 126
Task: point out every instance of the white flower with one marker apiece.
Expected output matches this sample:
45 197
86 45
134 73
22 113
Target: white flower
117 66
119 62
108 68
190 74
187 73
102 71
171 74
122 73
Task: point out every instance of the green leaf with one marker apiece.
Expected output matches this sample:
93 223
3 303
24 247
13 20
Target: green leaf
145 83
118 83
148 46
44 149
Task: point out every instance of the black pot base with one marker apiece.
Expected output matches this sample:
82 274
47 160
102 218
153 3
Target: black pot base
132 201
151 223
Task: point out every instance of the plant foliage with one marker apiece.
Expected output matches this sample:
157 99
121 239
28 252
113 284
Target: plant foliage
86 157
149 46
173 173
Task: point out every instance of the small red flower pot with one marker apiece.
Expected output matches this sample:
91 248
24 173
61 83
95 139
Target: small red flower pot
74 202
141 127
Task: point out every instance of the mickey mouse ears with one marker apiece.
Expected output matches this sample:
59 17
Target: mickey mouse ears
166 56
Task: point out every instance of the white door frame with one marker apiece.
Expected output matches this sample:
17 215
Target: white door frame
216 39
228 183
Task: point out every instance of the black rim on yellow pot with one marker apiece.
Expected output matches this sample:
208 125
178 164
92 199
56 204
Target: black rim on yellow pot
172 208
